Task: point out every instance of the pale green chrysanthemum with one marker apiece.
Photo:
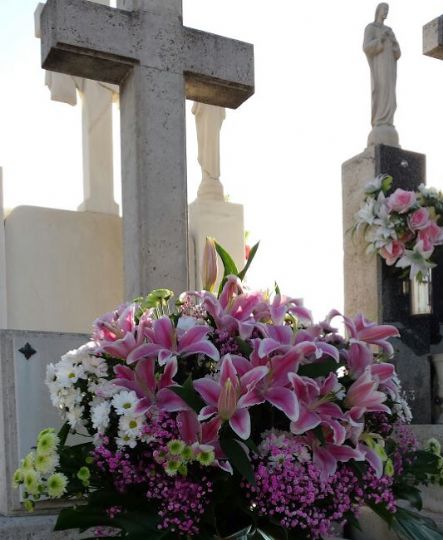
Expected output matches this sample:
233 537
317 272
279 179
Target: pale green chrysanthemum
47 443
29 505
31 480
57 483
172 466
46 463
17 478
84 474
188 453
206 457
176 447
28 461
434 446
183 470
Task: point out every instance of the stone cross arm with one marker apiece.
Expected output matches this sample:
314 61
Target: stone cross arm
98 42
433 38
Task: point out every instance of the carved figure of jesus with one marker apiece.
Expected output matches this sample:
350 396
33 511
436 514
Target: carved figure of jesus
382 51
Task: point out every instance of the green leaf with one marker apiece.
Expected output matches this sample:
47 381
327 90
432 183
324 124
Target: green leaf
244 347
63 433
238 458
81 517
228 262
251 445
386 183
277 288
252 253
409 493
412 526
189 395
319 369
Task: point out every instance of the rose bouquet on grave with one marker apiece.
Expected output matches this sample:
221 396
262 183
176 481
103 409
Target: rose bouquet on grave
230 415
403 227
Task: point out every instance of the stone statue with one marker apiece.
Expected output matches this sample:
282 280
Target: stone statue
382 51
208 121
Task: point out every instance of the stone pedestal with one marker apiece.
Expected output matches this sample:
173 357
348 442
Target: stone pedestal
64 269
221 220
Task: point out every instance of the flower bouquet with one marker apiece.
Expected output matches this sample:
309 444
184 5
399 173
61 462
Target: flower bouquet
403 226
229 414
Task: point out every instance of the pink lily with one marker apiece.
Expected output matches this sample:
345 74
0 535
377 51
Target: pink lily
233 310
360 329
167 342
280 307
230 397
326 456
150 389
117 332
362 396
316 405
274 386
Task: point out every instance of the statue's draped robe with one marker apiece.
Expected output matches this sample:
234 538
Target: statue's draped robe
209 120
382 57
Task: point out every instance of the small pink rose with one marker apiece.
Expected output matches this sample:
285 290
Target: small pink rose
419 219
401 201
392 251
431 236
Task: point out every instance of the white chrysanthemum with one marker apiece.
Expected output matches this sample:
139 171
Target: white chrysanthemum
100 416
131 426
57 484
125 402
94 365
126 440
74 416
69 373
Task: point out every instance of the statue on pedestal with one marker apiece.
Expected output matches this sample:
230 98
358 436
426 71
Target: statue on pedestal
382 50
208 122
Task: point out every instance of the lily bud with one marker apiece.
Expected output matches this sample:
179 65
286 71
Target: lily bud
209 266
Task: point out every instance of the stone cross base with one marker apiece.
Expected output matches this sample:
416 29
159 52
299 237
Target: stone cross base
221 220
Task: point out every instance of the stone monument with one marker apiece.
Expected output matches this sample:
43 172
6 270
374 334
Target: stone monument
3 290
210 214
96 99
382 51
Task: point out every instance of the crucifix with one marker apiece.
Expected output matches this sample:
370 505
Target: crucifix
144 48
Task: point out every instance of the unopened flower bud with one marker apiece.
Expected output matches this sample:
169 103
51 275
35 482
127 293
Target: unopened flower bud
209 265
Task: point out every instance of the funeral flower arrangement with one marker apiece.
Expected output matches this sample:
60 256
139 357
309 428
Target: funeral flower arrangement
229 412
403 227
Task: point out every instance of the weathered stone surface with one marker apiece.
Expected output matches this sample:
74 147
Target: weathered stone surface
158 63
25 408
50 282
362 272
32 528
433 38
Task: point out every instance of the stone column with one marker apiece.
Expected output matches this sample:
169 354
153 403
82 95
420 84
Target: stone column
3 292
210 214
370 288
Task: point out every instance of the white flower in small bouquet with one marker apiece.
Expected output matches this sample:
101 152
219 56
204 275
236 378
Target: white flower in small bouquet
403 227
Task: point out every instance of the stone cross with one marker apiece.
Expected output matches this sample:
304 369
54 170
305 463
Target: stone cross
433 38
158 63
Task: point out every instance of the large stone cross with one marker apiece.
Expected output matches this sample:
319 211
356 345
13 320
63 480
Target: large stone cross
158 63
